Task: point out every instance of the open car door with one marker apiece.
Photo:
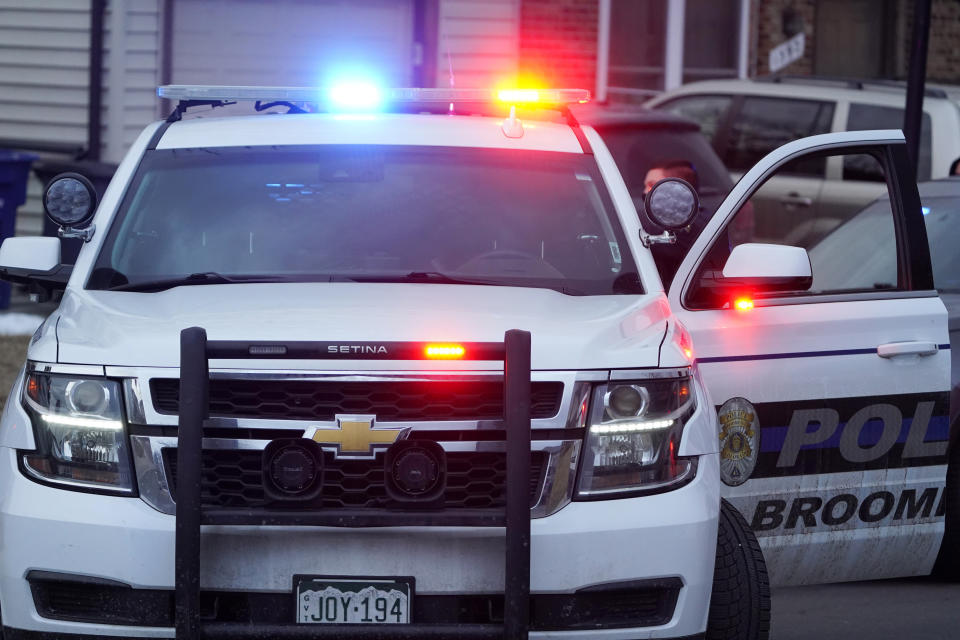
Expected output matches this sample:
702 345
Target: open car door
830 368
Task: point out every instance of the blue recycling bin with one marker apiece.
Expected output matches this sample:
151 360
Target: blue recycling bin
14 170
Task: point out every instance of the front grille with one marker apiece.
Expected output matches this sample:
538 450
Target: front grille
232 478
403 401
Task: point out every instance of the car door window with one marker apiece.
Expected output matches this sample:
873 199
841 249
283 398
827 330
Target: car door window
851 249
707 111
762 124
866 117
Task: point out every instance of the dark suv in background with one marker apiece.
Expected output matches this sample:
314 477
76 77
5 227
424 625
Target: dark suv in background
648 145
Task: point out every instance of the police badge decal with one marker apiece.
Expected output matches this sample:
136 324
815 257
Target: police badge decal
739 440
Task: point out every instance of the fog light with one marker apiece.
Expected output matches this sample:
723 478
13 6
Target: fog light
415 472
292 469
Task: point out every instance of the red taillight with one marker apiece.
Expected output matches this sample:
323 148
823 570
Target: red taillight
444 351
743 304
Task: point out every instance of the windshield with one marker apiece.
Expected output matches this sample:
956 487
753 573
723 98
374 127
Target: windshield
860 261
368 213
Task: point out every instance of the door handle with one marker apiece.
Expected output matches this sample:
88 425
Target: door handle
794 199
894 349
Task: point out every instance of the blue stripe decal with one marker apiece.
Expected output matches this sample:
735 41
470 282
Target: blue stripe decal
801 354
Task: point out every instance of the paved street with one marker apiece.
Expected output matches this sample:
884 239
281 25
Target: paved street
908 609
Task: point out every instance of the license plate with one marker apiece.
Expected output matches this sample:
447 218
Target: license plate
353 600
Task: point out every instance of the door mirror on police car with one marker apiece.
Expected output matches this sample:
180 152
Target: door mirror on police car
755 268
766 268
34 262
672 203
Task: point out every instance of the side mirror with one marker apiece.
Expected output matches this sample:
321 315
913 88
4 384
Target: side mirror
70 200
35 262
34 254
766 268
672 203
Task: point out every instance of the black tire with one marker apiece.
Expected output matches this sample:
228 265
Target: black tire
948 561
740 601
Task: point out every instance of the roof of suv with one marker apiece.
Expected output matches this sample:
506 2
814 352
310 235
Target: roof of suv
876 91
386 129
638 118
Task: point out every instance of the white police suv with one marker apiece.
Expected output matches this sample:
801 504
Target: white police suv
369 374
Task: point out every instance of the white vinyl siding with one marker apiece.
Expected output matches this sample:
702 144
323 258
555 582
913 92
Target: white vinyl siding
44 56
480 39
44 53
135 33
292 42
44 76
44 47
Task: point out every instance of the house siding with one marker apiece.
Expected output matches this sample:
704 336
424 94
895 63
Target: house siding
478 40
44 76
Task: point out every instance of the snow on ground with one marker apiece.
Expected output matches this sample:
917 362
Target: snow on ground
19 324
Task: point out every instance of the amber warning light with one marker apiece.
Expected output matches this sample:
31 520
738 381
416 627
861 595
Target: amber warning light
444 351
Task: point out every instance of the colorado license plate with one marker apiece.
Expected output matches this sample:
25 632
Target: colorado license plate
353 600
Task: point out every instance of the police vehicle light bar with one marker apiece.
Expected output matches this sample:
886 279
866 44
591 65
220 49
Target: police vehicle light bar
365 93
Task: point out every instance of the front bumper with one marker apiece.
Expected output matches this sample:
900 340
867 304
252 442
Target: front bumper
669 535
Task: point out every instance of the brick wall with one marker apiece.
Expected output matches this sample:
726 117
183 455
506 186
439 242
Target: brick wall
943 54
767 27
558 42
943 57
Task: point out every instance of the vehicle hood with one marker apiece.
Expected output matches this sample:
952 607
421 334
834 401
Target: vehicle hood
568 332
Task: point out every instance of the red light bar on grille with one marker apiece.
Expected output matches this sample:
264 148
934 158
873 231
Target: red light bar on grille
444 351
356 350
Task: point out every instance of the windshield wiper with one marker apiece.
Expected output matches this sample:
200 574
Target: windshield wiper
431 277
206 277
436 277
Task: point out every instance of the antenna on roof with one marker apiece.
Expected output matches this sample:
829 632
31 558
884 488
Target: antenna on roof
450 66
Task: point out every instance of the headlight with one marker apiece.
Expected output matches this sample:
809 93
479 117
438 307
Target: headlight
633 437
79 428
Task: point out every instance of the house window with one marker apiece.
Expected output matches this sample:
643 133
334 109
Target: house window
710 39
648 46
637 49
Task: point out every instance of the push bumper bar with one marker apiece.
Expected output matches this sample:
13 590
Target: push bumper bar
195 354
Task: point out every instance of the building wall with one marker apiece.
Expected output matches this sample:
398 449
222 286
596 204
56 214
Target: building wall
943 55
477 41
131 72
558 42
767 18
44 75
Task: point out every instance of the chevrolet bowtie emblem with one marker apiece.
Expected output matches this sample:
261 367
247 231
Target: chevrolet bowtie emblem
355 436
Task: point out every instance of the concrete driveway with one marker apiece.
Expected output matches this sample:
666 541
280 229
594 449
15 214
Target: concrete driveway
904 609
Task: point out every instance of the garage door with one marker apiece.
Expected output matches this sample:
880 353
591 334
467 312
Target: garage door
292 42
